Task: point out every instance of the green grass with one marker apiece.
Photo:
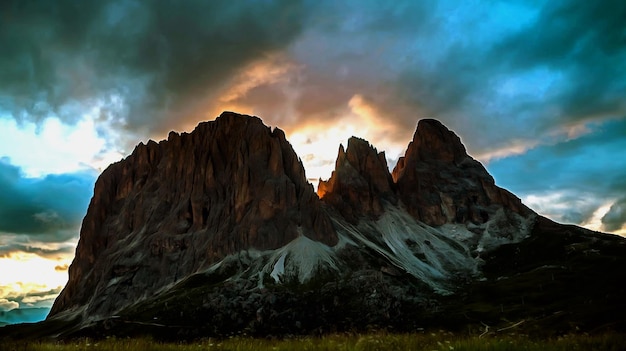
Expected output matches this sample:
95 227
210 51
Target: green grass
346 342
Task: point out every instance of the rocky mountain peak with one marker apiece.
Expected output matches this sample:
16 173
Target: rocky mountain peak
433 141
440 183
436 181
178 206
360 181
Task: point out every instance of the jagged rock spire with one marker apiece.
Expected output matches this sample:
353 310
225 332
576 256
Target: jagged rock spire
360 182
437 181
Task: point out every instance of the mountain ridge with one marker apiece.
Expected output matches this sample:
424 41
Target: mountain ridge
218 232
202 190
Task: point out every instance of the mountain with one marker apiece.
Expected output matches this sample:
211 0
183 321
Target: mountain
217 232
178 207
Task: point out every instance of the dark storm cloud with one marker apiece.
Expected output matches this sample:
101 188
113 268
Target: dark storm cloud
616 217
564 64
443 89
590 160
39 40
141 61
151 65
584 172
436 65
586 40
48 209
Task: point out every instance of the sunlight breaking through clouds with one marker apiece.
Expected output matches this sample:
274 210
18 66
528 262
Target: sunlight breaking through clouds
28 280
52 147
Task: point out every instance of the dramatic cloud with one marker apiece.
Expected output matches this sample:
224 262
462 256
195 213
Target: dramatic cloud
49 209
569 180
535 69
6 305
60 250
145 64
615 218
28 288
50 146
586 43
43 298
26 307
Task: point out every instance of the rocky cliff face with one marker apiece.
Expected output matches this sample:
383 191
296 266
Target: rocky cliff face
440 183
218 232
436 183
436 180
360 182
176 207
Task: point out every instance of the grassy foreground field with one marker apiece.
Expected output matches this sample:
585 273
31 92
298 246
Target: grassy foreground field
366 342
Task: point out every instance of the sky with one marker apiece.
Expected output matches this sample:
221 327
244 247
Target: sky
536 89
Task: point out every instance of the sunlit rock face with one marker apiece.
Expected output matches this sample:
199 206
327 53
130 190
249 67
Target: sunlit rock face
178 206
360 182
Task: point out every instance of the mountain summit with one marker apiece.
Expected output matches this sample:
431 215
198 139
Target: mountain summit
440 183
178 207
217 232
